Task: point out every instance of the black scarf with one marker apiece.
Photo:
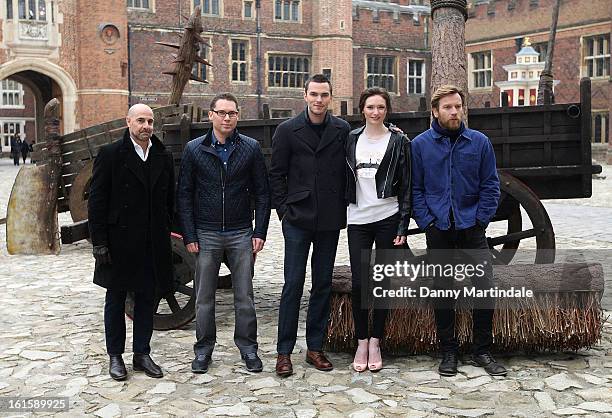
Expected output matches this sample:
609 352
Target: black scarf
452 135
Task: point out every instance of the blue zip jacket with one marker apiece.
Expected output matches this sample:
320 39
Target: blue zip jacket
460 175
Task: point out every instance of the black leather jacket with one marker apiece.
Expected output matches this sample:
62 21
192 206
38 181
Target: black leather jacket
214 199
392 177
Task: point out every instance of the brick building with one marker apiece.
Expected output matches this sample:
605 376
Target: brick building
74 50
357 43
496 29
98 57
16 113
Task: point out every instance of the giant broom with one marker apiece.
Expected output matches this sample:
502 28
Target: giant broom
565 310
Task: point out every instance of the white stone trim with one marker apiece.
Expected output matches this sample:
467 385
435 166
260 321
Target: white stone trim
59 75
103 91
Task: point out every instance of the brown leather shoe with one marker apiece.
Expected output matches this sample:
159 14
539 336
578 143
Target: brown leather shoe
318 360
284 367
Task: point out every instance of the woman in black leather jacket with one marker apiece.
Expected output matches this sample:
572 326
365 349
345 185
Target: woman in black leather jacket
378 192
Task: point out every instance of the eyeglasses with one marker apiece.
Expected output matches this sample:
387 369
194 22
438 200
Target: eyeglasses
222 114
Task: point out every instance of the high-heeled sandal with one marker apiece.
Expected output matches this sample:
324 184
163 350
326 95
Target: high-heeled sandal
361 367
374 366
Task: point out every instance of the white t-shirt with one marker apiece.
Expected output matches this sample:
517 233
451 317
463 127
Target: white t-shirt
369 208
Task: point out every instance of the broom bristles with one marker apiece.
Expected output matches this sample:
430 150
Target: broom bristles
546 322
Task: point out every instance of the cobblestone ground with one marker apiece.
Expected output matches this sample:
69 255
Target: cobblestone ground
52 343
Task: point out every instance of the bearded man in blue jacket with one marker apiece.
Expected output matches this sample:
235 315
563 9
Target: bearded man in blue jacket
455 194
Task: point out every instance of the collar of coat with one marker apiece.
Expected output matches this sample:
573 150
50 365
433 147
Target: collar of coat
304 132
157 147
303 120
234 137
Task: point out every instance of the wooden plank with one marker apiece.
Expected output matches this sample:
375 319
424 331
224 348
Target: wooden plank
561 171
520 109
93 130
518 139
185 130
585 134
548 144
92 142
505 133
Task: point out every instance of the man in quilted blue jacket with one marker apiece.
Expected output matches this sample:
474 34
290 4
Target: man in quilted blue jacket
220 173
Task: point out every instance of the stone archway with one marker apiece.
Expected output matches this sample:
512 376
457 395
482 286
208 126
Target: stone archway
22 67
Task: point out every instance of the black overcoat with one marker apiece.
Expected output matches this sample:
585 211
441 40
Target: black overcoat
307 174
117 213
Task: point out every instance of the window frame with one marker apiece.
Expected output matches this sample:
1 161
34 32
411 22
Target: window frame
23 9
542 49
247 61
150 8
4 136
253 11
473 70
422 77
207 56
281 55
19 92
395 74
208 14
584 57
272 116
292 4
604 129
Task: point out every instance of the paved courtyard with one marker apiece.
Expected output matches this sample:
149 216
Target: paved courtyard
52 344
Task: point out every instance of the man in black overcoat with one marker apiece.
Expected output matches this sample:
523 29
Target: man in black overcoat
307 179
131 203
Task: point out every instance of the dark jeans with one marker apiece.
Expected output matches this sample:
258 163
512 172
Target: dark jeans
482 319
362 237
297 246
144 308
238 247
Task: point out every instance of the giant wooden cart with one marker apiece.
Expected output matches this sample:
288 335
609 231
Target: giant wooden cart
542 152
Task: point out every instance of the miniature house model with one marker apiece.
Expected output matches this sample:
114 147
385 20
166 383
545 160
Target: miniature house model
523 77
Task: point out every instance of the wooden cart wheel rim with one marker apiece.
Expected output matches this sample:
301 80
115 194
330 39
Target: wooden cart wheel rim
77 202
181 315
531 203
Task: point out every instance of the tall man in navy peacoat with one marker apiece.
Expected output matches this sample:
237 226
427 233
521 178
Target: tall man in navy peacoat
307 179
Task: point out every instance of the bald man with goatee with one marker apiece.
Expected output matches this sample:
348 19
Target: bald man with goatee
131 203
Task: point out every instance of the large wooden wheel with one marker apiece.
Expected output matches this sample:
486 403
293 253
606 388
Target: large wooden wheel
79 193
516 198
177 309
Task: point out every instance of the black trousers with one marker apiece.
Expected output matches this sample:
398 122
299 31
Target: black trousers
144 308
474 240
362 237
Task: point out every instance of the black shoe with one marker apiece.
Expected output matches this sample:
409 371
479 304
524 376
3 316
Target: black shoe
116 368
200 363
487 362
253 362
448 365
144 363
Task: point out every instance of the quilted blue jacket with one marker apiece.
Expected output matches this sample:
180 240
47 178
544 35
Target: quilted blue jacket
212 198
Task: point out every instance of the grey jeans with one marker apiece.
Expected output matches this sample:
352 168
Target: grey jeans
238 248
